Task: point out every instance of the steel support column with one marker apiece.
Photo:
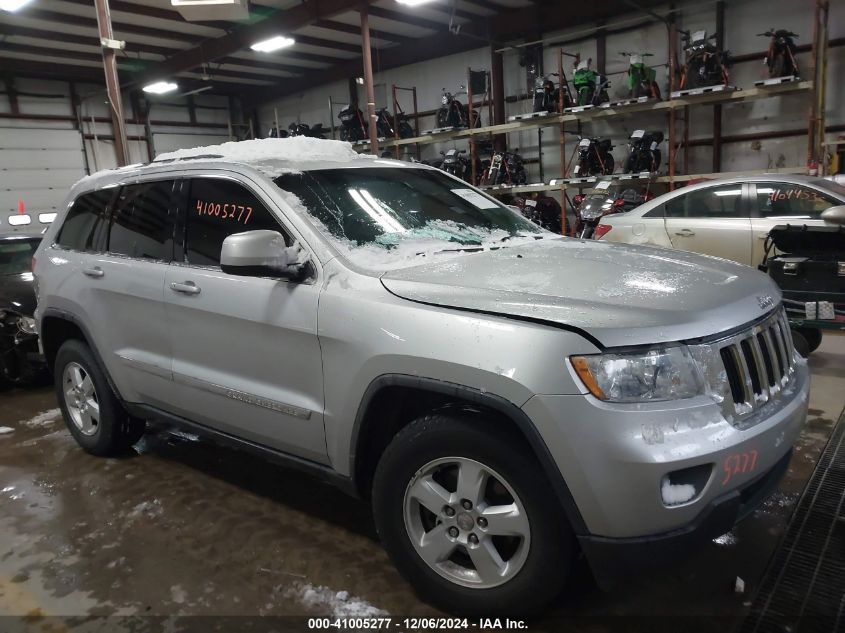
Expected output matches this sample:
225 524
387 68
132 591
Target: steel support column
368 77
497 65
717 109
121 148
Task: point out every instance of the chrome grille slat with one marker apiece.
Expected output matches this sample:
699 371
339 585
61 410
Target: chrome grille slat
777 372
749 373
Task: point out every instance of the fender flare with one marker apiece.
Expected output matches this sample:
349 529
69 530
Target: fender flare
491 401
70 317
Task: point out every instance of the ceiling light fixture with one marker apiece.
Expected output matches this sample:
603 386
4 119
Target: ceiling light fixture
412 3
13 5
160 87
273 44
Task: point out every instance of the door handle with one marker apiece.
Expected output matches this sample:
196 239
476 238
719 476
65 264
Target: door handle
95 272
187 288
685 233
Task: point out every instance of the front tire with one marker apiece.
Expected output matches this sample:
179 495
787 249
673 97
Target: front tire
92 412
469 519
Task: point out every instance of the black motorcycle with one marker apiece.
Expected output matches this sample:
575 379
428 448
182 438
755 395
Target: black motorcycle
547 95
403 121
457 163
591 208
353 125
505 168
780 57
453 113
594 157
643 152
303 129
705 64
543 211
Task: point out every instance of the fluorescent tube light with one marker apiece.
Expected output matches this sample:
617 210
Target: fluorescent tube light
19 220
160 87
412 3
13 5
273 44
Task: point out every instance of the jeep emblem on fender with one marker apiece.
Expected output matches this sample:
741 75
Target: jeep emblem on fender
765 301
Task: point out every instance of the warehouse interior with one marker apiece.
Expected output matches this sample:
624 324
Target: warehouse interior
181 532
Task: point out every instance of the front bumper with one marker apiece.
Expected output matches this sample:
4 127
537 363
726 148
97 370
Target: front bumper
614 459
611 559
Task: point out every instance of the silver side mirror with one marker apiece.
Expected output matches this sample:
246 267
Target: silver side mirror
263 254
834 215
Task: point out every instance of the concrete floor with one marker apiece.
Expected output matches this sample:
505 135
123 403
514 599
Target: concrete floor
187 528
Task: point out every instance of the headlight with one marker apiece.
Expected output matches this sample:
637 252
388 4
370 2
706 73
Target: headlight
26 325
670 373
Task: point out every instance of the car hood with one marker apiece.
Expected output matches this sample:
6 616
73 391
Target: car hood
618 294
17 293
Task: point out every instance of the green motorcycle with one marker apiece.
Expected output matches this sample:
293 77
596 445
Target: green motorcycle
641 77
590 86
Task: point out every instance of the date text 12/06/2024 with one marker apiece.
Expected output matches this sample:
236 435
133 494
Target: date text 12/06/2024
407 625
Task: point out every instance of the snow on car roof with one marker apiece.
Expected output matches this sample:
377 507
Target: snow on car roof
271 156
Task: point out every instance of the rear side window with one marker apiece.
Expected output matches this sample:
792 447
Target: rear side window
84 228
142 221
218 208
714 202
784 199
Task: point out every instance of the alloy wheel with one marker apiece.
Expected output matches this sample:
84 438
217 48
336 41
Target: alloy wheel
466 522
81 398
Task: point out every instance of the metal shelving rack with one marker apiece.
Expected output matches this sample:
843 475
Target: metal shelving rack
814 86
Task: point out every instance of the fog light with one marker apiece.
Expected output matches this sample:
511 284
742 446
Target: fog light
685 485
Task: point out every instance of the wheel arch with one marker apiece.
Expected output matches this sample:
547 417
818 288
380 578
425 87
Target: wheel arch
58 326
386 408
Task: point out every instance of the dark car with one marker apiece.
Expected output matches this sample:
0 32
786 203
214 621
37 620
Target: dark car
20 360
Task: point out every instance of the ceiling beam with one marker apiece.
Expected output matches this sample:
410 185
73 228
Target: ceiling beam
318 41
124 27
407 18
281 22
153 12
426 48
71 38
342 27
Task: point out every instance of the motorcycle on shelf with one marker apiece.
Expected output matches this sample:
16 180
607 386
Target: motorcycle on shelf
592 207
780 57
547 95
542 210
643 152
457 163
590 86
303 129
384 123
641 77
705 65
403 121
453 113
594 158
353 126
505 168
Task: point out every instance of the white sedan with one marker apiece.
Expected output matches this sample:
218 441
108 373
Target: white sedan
725 218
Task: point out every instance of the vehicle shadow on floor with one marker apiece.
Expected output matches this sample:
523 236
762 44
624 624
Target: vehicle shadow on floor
282 485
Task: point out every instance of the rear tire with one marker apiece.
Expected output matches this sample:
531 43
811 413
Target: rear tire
92 412
802 345
474 570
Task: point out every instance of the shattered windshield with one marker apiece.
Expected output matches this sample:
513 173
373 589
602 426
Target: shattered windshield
388 207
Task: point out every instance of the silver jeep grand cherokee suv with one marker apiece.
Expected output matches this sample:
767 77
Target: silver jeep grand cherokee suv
506 397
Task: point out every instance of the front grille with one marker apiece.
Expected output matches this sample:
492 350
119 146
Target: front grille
758 363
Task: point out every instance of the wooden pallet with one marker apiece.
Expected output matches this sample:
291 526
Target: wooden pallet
627 102
694 92
442 130
531 115
776 81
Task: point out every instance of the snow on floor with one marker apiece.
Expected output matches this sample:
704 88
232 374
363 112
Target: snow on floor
675 494
45 418
338 603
